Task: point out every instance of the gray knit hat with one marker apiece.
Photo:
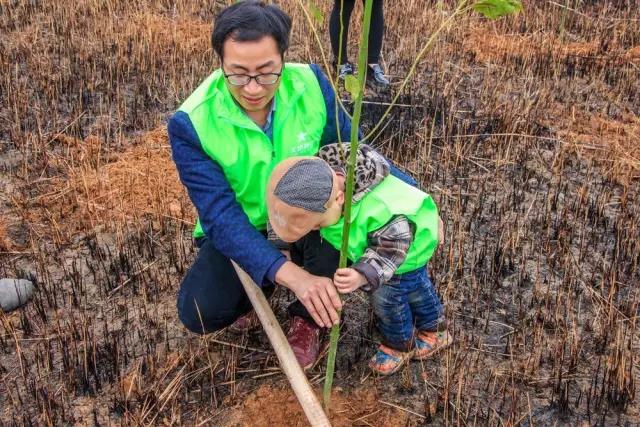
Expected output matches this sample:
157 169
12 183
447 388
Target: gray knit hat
307 184
298 192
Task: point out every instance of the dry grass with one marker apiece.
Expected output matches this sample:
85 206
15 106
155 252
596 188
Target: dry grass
6 244
525 131
611 143
137 183
488 46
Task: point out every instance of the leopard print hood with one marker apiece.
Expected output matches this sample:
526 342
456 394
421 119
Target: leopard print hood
371 166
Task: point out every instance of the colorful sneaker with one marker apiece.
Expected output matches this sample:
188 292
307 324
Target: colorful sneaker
344 70
429 343
245 323
386 361
305 339
375 75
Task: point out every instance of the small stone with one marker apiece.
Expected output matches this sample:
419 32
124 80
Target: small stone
14 293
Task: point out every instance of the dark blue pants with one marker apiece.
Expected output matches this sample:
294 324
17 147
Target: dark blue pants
211 296
406 302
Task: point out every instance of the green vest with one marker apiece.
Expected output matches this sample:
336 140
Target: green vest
242 149
390 198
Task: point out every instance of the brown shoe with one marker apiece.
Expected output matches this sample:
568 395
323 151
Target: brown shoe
305 339
245 323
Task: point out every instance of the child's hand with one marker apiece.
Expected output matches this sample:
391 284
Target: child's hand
348 280
440 231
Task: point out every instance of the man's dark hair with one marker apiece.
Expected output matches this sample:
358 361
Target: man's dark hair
251 20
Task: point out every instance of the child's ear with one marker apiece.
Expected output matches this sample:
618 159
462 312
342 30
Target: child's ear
340 197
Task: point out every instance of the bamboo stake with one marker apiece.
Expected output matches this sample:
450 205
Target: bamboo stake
288 363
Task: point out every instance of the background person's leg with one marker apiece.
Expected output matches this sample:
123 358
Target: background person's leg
334 28
211 296
376 32
375 73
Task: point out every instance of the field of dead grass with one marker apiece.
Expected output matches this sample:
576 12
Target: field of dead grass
525 131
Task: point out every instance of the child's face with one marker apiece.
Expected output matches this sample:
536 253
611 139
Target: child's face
293 223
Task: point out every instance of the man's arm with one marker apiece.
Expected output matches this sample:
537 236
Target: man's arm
343 124
223 220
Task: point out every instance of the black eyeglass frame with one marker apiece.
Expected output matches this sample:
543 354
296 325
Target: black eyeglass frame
254 77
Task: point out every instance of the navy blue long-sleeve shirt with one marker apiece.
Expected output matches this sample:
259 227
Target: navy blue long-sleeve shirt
222 218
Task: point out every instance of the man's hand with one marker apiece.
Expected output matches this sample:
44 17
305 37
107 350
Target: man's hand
316 293
348 280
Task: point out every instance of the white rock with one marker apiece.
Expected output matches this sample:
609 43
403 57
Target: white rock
14 293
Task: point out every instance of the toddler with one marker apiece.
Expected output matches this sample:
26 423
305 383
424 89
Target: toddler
395 229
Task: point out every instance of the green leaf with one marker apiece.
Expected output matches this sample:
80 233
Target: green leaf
494 9
351 85
316 13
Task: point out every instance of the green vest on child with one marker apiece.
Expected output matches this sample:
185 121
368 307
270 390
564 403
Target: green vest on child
390 198
242 149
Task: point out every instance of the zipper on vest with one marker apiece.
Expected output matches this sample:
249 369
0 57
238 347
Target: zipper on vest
254 128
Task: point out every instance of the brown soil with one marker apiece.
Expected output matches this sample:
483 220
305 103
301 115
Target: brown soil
273 406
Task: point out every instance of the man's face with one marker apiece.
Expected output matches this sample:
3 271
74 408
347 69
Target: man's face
252 57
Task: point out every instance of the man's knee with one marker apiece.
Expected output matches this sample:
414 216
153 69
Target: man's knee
195 323
205 319
211 296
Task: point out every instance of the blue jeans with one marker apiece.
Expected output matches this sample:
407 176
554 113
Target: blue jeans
408 300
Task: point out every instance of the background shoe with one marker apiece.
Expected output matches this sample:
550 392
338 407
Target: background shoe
429 343
344 70
375 75
245 323
14 293
386 361
305 339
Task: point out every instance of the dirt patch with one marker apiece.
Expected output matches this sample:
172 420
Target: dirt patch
272 406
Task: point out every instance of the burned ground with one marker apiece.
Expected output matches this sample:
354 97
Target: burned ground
525 131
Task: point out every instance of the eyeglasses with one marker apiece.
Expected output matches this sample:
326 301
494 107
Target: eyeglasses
261 79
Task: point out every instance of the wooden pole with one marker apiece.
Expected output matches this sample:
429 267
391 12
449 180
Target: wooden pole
288 363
